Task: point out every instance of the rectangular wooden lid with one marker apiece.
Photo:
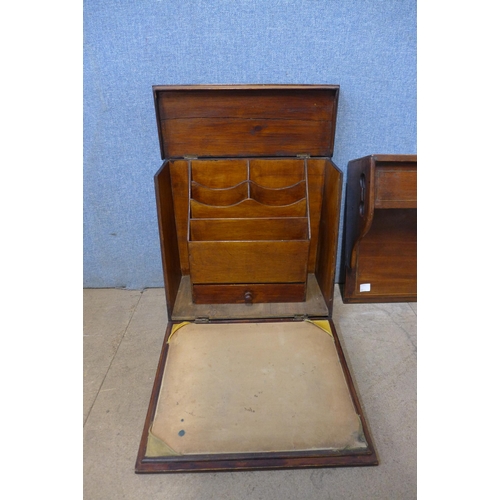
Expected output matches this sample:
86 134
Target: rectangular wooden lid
246 120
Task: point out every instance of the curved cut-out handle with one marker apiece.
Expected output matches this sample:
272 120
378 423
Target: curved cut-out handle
362 194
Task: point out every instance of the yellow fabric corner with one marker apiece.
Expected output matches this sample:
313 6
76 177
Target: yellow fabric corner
157 448
324 324
175 328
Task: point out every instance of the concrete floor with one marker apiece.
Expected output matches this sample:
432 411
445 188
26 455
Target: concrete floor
123 334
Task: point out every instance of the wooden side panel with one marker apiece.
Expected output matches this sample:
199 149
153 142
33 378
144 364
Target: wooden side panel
315 176
328 232
168 235
241 122
180 191
359 206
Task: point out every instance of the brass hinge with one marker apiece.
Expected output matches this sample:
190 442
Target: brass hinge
300 317
202 320
190 157
304 155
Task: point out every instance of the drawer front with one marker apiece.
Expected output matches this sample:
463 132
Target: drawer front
250 293
248 261
395 188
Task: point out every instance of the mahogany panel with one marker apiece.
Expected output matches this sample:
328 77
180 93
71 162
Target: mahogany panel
219 121
315 178
289 103
248 261
180 193
228 137
168 235
328 232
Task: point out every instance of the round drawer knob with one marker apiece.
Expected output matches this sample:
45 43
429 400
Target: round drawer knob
248 297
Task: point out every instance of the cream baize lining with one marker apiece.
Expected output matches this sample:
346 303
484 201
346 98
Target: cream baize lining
253 387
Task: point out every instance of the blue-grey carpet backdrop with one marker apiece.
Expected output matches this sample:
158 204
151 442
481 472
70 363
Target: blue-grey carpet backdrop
367 47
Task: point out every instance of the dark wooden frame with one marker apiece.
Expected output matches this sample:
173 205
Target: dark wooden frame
252 461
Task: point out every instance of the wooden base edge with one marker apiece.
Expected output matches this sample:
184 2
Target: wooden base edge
354 298
216 465
378 300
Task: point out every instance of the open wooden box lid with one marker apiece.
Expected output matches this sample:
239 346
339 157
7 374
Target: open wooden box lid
217 126
247 120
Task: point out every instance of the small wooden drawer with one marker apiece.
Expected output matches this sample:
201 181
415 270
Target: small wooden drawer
249 293
395 187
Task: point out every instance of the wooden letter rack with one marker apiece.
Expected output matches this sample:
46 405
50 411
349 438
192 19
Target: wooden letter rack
251 373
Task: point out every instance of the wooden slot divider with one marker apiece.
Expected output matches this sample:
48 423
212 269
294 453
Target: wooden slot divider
306 177
248 209
219 196
248 190
235 229
278 196
248 261
247 235
219 173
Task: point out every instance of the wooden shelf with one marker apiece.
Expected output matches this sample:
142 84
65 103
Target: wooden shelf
380 235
